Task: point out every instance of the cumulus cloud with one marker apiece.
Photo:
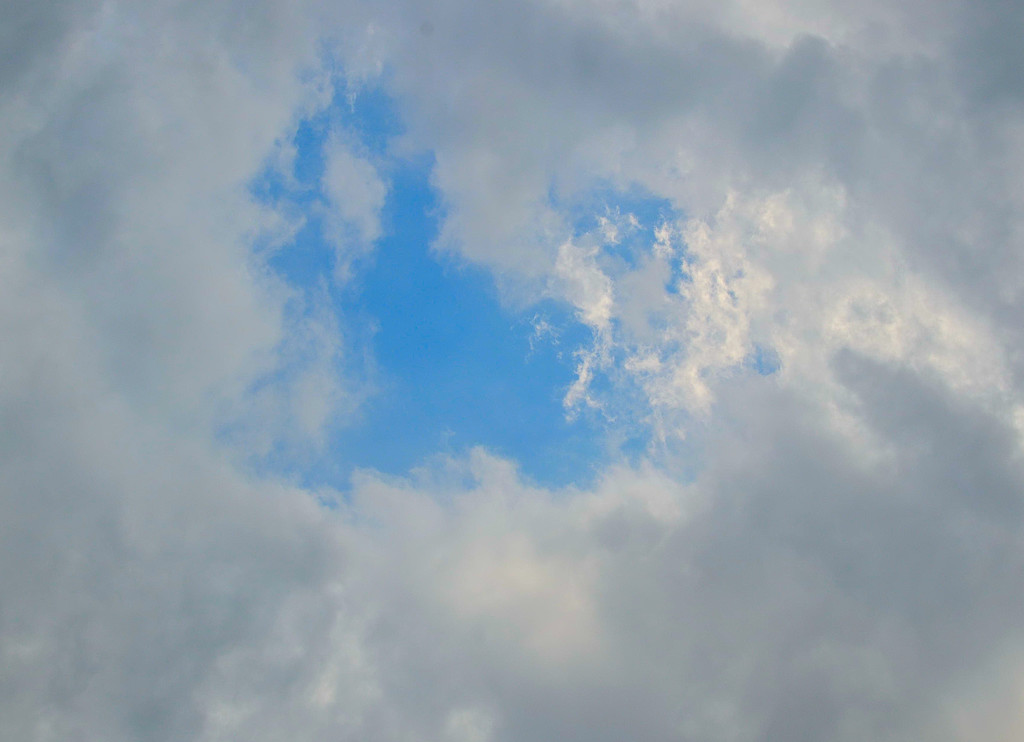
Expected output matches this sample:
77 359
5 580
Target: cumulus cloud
831 550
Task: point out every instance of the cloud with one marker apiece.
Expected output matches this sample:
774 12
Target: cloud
356 196
828 552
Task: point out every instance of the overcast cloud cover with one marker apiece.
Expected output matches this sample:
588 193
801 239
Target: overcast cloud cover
790 235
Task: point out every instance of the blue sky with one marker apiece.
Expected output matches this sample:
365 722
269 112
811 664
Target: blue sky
450 365
452 368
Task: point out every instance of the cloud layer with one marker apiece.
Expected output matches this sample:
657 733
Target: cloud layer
817 334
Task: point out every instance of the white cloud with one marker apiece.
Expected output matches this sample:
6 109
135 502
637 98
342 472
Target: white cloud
356 196
833 553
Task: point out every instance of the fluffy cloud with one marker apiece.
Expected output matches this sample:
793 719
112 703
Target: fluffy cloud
831 551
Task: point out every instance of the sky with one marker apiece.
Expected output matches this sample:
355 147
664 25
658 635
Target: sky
502 372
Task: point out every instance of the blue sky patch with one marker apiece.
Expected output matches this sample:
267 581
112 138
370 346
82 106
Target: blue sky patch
455 368
764 361
452 367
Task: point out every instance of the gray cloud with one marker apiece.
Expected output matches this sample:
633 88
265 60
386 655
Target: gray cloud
843 564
